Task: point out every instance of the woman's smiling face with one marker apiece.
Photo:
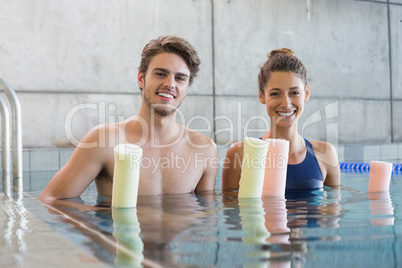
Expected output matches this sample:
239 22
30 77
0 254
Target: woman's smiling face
284 95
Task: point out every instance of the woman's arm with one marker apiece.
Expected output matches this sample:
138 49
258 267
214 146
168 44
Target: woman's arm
232 168
328 160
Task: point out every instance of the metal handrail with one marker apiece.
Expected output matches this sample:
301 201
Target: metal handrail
16 128
5 138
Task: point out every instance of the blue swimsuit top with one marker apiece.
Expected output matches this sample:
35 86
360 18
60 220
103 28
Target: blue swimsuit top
306 175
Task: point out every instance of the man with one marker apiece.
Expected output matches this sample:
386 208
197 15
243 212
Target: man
175 159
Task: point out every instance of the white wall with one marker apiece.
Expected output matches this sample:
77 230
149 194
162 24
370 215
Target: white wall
60 54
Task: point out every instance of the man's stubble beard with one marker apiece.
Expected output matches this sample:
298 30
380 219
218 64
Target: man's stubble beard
158 110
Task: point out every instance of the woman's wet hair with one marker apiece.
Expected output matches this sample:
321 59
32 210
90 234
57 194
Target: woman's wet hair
281 60
171 44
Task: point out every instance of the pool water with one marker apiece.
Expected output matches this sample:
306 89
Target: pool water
324 228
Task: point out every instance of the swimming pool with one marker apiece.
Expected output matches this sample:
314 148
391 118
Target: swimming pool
323 228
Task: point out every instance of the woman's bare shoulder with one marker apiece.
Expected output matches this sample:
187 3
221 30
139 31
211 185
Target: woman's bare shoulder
325 152
235 148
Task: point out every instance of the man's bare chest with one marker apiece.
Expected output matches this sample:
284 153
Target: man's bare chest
171 171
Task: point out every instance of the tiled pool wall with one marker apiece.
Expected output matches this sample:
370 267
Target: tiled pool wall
52 159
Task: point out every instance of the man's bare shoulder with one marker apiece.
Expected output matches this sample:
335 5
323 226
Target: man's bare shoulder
110 135
101 129
198 140
91 138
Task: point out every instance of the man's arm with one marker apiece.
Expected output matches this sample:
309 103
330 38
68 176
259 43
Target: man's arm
78 173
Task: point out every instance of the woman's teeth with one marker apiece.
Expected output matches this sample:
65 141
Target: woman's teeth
285 113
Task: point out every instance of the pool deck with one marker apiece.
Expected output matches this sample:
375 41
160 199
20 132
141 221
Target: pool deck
27 241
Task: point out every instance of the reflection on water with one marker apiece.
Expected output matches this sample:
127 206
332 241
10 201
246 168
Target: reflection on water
381 204
345 227
15 191
127 229
316 208
252 221
6 185
264 224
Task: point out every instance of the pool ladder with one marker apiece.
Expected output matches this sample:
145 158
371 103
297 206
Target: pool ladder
16 137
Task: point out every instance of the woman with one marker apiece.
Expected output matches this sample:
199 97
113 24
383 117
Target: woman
284 91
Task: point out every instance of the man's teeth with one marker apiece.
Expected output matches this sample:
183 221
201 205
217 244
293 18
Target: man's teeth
285 114
166 95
